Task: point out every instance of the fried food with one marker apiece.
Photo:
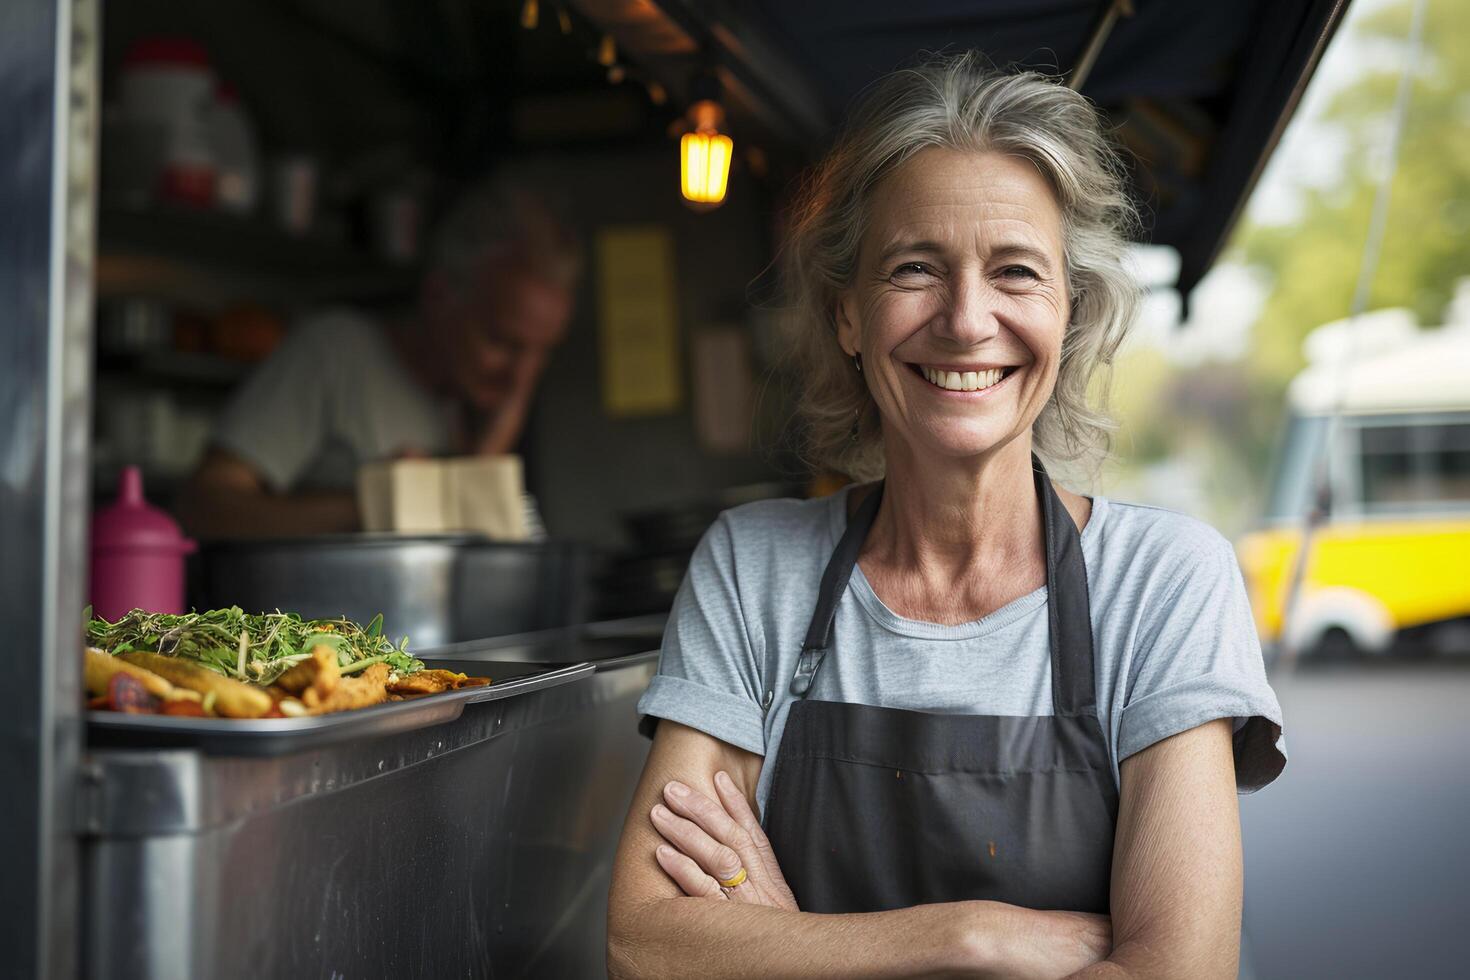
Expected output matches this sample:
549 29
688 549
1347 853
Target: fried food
315 679
99 668
232 698
131 681
358 691
434 682
425 682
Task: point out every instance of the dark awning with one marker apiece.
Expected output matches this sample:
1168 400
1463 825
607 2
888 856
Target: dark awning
1199 90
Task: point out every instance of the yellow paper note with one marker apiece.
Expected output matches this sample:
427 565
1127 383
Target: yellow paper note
638 331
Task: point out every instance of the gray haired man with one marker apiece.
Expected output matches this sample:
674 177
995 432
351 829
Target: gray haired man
454 376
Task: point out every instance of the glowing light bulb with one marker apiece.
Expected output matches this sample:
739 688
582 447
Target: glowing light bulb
704 164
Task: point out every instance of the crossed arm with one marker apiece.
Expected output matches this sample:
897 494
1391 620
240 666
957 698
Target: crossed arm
1176 890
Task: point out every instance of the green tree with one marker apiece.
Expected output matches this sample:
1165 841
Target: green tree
1313 262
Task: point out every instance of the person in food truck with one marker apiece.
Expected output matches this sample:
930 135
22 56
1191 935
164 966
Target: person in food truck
955 718
454 377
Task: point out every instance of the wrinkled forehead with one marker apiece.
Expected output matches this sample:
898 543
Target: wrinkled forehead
959 200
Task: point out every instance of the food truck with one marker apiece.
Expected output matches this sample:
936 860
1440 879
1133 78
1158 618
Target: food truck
1383 426
181 183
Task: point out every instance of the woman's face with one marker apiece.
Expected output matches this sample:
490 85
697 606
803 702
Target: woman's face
960 301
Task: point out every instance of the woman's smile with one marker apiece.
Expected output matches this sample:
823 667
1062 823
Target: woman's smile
962 381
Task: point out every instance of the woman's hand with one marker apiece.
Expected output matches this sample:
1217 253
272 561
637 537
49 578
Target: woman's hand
710 842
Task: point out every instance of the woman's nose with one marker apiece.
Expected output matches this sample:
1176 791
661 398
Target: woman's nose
970 316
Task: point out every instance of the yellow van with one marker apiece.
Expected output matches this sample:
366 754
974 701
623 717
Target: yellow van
1389 569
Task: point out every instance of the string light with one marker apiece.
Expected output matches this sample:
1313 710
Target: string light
564 19
607 51
530 14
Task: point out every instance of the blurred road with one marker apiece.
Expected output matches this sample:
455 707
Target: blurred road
1357 860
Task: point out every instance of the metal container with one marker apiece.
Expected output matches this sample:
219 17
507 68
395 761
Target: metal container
434 589
479 846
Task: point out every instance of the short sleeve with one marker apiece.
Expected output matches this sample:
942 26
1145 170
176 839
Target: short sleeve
1198 658
277 421
708 673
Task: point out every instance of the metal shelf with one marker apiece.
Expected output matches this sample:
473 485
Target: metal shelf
209 260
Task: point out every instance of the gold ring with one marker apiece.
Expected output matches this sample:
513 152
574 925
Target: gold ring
739 879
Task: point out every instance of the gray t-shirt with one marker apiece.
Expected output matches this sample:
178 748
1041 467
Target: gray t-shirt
334 395
1175 644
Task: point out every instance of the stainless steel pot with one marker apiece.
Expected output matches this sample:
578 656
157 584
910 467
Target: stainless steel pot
434 589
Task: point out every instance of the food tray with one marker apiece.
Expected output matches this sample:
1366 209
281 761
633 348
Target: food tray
278 736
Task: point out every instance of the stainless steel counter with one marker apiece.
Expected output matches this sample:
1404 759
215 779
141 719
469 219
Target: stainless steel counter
480 846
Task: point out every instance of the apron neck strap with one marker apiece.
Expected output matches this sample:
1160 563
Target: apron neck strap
834 584
1068 606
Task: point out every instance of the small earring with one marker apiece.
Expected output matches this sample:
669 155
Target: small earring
853 436
857 360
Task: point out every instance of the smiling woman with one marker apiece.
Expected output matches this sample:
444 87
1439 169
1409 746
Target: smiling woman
959 274
983 725
968 123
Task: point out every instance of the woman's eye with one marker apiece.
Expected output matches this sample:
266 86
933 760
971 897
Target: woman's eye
910 269
1018 272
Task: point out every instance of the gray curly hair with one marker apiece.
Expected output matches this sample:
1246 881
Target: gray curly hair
959 102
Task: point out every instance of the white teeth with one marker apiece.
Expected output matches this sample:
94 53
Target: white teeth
962 380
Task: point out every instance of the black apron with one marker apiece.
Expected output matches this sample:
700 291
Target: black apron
881 808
